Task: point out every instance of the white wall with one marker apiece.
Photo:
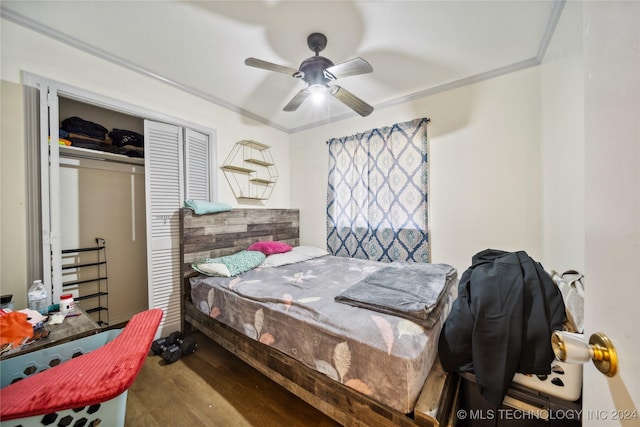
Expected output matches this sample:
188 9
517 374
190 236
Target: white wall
485 187
23 49
562 144
13 228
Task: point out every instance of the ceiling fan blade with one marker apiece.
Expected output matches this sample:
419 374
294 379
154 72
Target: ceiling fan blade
259 63
351 101
297 100
352 67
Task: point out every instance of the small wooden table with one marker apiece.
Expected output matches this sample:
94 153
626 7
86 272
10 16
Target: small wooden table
72 328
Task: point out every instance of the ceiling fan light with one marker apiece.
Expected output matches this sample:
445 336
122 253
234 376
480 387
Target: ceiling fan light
317 93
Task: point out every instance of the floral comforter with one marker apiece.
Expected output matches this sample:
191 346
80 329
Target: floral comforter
292 309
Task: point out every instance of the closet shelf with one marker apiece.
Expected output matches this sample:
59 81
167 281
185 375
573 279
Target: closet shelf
86 153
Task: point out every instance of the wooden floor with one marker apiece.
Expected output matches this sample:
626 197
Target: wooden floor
213 388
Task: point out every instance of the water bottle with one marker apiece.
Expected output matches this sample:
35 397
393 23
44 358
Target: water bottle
38 297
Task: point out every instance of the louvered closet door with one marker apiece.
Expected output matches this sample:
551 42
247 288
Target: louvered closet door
50 190
164 197
198 160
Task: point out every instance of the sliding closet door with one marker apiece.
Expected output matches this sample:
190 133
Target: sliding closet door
164 197
197 156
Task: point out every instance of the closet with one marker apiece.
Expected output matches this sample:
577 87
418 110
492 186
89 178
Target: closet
103 196
131 202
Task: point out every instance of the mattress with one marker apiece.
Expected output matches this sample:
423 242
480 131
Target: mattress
292 309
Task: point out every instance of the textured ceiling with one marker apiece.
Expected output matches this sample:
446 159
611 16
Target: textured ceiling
414 47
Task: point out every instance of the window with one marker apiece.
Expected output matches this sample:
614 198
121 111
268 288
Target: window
378 194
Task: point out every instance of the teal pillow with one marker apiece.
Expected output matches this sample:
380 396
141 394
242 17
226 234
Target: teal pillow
200 207
230 265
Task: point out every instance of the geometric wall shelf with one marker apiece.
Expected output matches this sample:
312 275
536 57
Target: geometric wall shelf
250 170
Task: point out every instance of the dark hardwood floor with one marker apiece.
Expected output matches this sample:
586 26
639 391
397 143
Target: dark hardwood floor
213 388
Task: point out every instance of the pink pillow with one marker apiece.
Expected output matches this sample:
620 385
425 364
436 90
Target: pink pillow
268 247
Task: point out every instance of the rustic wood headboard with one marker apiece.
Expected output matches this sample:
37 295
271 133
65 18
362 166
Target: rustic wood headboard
224 233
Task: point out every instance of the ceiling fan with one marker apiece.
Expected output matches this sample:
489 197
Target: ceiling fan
318 71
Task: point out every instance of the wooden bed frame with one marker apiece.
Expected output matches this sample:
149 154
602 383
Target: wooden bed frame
224 233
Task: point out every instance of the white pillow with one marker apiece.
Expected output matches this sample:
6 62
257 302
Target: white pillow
297 254
214 269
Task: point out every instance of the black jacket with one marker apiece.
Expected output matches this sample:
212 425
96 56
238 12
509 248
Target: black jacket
502 321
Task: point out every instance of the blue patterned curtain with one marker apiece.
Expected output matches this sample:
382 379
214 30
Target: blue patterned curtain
377 194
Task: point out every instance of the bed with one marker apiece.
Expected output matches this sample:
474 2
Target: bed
375 368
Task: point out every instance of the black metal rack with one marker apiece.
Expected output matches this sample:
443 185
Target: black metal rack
93 286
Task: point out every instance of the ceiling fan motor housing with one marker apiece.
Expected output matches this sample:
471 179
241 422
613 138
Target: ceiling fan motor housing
313 69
